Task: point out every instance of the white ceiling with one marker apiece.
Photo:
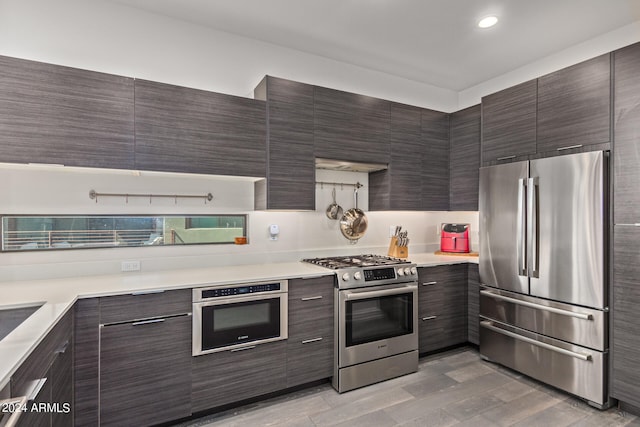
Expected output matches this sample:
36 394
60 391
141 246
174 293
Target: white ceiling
435 42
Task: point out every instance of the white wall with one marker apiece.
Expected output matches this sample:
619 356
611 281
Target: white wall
45 190
109 37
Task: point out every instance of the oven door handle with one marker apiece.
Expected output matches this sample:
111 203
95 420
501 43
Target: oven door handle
351 296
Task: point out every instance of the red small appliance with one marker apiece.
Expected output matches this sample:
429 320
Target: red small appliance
454 238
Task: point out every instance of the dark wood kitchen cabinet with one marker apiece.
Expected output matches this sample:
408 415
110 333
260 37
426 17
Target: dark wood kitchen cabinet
464 173
625 341
234 375
86 360
574 106
442 306
62 115
435 161
49 366
473 304
179 129
627 135
310 342
398 187
145 358
509 123
290 182
145 369
351 127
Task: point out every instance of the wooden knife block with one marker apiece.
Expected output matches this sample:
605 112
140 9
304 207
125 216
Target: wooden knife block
397 251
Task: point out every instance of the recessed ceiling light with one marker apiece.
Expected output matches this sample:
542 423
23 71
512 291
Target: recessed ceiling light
487 22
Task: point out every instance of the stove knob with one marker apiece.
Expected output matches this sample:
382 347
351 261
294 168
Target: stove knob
414 270
357 275
400 272
345 277
407 271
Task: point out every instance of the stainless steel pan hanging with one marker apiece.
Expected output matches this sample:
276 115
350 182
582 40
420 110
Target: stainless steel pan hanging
353 224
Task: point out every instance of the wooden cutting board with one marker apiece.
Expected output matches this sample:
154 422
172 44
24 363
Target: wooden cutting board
456 253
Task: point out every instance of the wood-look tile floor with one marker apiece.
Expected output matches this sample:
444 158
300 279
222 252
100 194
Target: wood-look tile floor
455 388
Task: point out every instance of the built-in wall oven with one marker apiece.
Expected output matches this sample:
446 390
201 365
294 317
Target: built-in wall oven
228 317
376 327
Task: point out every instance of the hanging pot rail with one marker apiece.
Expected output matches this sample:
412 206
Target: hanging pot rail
93 194
341 184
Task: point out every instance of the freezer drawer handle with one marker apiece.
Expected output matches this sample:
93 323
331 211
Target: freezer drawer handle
581 356
583 316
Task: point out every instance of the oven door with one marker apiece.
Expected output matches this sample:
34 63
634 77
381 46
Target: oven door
377 322
229 323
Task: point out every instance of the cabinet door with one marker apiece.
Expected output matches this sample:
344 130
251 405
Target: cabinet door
574 106
85 361
145 372
442 307
180 129
465 159
54 114
397 188
509 123
290 182
625 342
627 135
435 161
232 376
473 304
351 127
310 342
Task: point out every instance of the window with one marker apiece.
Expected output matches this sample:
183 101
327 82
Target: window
31 232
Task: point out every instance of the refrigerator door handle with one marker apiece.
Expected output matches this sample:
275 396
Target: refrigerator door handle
489 325
532 227
577 315
521 227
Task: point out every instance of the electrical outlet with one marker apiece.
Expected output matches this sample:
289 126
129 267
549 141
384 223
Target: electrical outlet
130 266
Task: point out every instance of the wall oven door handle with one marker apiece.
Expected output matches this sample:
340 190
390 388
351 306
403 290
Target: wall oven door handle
583 316
351 296
582 356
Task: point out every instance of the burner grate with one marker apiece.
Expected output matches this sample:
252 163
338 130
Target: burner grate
347 261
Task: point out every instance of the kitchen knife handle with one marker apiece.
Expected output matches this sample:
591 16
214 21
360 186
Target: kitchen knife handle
521 228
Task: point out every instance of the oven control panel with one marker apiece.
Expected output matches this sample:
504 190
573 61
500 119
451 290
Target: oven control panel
379 274
240 290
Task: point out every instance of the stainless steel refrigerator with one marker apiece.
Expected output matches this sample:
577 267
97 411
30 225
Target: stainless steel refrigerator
543 247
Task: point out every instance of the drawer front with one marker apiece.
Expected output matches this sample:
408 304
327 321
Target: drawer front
436 332
232 376
310 358
310 300
583 326
135 306
575 369
442 290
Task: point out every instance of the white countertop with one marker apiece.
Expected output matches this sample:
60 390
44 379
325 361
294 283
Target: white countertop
57 296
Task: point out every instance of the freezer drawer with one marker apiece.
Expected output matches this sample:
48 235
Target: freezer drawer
577 370
579 325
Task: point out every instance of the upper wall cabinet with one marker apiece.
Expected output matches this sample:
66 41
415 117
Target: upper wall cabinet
399 186
465 159
509 123
54 114
351 127
627 135
574 106
180 129
290 182
435 161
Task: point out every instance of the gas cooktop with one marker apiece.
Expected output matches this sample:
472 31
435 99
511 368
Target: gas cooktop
339 262
367 270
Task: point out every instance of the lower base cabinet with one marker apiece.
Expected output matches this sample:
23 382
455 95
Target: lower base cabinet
49 366
145 372
442 306
473 304
310 343
233 375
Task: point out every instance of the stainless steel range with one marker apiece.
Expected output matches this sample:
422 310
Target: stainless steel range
376 324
